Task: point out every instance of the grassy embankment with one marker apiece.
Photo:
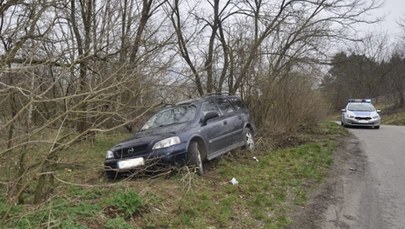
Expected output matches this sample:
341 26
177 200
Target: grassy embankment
267 191
394 118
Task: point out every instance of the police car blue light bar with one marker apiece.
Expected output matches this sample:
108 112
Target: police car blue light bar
359 100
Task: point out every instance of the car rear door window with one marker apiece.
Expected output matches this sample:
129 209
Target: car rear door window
237 103
225 106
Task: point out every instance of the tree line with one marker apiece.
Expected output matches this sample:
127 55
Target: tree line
357 75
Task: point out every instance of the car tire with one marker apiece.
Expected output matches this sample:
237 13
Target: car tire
249 140
194 158
111 175
377 127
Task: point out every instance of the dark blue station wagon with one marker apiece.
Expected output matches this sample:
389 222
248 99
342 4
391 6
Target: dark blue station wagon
187 133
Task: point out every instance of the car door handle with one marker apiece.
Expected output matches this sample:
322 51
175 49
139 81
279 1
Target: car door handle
225 122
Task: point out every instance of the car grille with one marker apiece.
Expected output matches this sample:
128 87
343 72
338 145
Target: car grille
363 118
129 152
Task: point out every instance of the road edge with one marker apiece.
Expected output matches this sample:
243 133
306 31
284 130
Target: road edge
344 182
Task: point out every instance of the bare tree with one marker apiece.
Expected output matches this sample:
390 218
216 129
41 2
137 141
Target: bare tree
278 34
71 69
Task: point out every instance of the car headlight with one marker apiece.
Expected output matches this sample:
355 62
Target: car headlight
350 116
166 143
109 154
375 117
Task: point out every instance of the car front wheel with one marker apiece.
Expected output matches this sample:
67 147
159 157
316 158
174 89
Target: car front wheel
344 124
249 140
194 158
111 175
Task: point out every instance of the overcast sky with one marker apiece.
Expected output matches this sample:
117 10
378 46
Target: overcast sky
393 11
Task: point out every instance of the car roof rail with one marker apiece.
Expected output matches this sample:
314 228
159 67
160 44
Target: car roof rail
166 105
185 102
216 93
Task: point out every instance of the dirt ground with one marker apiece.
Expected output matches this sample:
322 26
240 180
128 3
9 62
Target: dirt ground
322 210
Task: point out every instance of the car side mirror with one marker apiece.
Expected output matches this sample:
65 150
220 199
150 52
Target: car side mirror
343 110
208 116
378 111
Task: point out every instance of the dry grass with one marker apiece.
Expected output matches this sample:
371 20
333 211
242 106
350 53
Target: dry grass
396 117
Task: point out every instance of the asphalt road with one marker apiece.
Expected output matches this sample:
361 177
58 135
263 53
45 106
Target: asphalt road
372 190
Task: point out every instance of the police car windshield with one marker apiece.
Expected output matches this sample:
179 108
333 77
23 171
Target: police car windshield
360 107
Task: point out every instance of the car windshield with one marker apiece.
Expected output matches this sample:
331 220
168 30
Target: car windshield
172 115
360 107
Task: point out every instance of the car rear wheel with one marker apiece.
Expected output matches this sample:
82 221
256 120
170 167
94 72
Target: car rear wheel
194 158
249 140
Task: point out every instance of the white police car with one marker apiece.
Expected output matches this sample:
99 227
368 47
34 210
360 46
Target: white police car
360 112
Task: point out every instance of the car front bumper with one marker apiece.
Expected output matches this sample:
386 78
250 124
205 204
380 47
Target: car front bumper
167 156
356 122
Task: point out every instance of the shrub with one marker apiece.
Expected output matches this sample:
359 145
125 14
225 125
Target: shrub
288 105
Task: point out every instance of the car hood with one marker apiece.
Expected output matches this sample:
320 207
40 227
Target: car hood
151 136
364 113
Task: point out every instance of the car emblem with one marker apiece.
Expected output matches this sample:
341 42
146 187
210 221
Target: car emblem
130 150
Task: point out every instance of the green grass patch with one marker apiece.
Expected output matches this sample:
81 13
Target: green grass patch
267 191
117 223
126 203
60 213
82 208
